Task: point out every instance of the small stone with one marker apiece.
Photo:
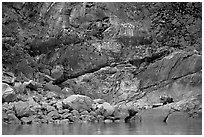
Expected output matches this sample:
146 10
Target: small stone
76 119
108 121
119 120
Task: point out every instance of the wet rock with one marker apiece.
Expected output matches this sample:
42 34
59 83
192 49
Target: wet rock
78 102
158 114
37 121
85 118
100 118
8 94
13 119
76 119
134 119
22 109
108 121
26 120
119 120
49 86
65 121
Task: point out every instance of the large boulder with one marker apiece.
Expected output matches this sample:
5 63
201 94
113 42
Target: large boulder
13 119
8 94
153 115
121 112
78 102
106 109
22 109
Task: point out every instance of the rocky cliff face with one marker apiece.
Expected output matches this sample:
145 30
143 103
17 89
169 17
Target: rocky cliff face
133 56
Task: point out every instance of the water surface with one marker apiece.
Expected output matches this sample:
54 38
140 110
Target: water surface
104 129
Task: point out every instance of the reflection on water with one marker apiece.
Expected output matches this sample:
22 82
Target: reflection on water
103 129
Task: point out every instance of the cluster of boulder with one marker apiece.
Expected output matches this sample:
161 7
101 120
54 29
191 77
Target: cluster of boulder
75 108
22 104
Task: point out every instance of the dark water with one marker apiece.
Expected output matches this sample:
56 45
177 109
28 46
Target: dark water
104 129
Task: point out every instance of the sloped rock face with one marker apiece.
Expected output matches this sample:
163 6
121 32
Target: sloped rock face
126 82
174 66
